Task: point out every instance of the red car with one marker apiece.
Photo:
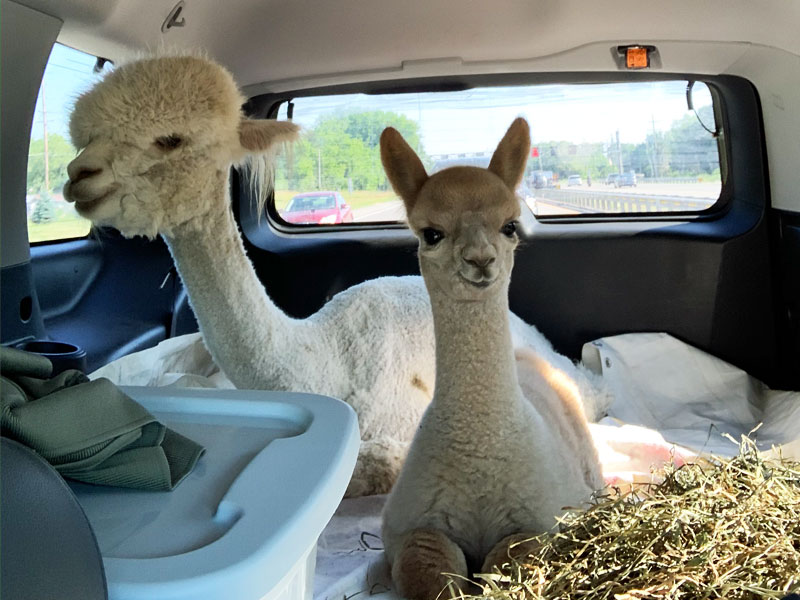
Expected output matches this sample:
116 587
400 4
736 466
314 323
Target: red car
318 208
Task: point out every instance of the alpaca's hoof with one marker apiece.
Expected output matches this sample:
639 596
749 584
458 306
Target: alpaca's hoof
428 565
513 547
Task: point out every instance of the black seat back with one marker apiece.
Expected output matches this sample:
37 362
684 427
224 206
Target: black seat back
48 548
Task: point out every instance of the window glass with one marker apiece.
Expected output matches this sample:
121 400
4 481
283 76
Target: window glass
68 74
596 148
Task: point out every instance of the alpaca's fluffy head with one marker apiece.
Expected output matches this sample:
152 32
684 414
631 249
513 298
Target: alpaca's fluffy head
464 217
157 137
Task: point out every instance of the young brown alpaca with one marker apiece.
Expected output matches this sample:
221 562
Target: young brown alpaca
504 445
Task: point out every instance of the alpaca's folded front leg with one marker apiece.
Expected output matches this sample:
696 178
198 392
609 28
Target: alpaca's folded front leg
425 564
512 547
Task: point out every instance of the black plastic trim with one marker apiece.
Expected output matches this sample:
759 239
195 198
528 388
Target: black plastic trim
785 235
726 218
106 294
19 304
61 240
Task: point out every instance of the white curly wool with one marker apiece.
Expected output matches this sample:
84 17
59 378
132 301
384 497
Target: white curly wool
158 137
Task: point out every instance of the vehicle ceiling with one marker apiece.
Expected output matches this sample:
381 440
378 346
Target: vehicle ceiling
273 40
279 45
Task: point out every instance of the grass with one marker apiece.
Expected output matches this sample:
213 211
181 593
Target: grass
73 226
358 199
725 529
60 229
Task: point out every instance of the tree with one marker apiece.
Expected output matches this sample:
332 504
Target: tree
60 153
639 160
568 158
368 126
344 158
343 150
655 148
44 211
690 147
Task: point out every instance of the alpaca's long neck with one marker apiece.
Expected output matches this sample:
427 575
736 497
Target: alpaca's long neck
475 369
241 326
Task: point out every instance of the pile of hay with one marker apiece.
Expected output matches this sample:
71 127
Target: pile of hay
725 529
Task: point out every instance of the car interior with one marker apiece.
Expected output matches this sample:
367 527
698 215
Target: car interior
719 272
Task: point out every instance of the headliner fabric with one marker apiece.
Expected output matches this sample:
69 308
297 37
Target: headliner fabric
89 431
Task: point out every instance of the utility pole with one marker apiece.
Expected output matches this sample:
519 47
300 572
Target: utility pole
619 153
46 153
655 146
319 168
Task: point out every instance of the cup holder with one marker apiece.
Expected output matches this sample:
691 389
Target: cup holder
62 354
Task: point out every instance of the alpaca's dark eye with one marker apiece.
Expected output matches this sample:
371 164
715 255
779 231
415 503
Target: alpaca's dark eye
509 229
432 236
168 142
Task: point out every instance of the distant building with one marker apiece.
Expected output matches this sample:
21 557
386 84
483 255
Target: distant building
476 159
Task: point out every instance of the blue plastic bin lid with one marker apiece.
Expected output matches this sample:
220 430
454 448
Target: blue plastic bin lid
275 468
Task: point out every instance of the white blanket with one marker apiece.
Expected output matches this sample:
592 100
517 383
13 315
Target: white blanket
672 402
691 397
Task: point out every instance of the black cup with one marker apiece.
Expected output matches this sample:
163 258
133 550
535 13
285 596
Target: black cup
62 354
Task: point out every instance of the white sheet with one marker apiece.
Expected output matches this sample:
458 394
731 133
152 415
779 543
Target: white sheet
672 401
181 361
691 397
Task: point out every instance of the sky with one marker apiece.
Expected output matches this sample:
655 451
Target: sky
475 120
467 121
67 75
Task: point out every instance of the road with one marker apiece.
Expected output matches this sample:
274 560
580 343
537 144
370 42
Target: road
707 190
644 198
393 210
674 196
543 209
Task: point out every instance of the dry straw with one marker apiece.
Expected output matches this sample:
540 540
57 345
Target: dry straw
724 529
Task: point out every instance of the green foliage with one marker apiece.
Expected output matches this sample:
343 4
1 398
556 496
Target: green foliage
44 211
368 126
342 152
567 158
692 149
60 153
686 149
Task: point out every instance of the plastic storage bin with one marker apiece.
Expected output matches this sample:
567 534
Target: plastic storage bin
244 524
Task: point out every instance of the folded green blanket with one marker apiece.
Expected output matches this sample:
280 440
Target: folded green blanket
89 430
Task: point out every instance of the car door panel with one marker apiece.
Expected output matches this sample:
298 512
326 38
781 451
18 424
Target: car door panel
108 295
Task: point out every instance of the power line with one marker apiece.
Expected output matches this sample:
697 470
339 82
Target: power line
73 69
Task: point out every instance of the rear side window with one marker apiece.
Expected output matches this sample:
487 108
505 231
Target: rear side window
68 74
600 149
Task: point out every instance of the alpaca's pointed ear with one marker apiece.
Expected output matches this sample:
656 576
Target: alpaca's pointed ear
259 135
402 165
509 160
